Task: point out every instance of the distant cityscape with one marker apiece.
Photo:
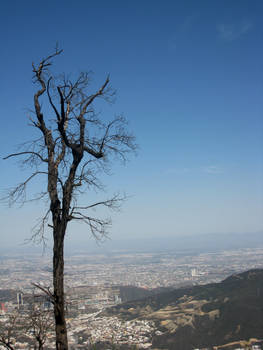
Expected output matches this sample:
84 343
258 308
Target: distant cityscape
93 283
145 270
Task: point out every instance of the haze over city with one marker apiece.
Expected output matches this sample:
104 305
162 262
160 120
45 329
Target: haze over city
188 77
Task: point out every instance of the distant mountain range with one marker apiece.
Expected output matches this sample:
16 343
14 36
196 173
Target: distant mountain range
203 316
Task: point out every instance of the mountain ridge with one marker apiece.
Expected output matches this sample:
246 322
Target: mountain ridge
203 316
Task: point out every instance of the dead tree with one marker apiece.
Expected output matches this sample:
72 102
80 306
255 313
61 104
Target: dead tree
35 325
9 330
71 150
39 324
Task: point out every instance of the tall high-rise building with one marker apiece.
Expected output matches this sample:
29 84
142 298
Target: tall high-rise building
20 299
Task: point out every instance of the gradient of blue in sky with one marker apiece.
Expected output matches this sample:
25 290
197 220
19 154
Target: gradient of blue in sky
189 79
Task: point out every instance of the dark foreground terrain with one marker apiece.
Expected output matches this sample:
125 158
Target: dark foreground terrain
203 316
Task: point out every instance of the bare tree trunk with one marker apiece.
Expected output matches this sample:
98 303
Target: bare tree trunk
58 283
40 344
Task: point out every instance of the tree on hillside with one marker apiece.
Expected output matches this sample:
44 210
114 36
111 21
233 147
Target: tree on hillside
73 147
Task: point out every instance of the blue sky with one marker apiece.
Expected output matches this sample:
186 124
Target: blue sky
189 78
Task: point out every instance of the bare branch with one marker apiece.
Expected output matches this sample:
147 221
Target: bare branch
92 152
38 230
113 203
38 71
28 152
50 100
19 192
88 176
61 156
8 331
92 98
98 227
38 324
46 290
46 61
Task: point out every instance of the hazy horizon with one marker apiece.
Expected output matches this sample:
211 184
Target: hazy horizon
202 243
